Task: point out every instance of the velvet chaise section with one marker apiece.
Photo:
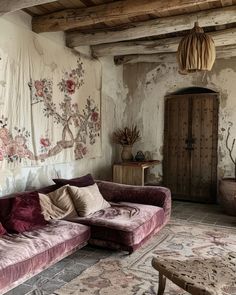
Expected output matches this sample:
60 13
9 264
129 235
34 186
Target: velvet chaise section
126 224
114 230
148 195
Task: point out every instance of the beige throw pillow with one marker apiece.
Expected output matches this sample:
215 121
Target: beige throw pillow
58 204
87 200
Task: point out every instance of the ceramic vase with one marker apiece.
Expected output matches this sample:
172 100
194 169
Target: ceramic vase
227 196
126 154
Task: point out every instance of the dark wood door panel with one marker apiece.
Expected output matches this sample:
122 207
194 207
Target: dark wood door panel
204 154
176 161
190 146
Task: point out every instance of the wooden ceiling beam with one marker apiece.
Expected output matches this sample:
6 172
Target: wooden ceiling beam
7 6
221 38
221 52
165 25
118 10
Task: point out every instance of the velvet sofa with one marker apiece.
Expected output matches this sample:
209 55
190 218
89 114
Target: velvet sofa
25 255
136 214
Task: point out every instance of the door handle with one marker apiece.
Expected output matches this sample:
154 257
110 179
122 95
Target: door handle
190 143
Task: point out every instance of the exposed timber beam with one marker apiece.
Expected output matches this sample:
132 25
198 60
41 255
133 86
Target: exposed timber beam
221 52
119 10
221 38
7 6
155 27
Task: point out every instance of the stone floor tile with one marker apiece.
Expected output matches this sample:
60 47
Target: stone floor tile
36 292
77 268
51 285
36 281
20 290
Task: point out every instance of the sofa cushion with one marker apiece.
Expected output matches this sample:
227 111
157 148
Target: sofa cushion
82 181
22 256
2 230
57 204
124 223
87 200
25 214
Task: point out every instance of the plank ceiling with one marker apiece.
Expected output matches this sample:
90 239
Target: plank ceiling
125 23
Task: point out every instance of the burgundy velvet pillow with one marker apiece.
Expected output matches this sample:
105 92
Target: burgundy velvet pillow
25 214
2 230
83 181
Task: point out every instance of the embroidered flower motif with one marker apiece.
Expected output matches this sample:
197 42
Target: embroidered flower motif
39 85
4 135
11 149
45 142
70 86
94 116
84 150
80 151
21 152
20 140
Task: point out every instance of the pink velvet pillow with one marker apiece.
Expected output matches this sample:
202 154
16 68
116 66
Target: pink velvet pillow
2 230
25 214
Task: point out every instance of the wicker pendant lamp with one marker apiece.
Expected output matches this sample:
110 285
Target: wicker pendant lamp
196 51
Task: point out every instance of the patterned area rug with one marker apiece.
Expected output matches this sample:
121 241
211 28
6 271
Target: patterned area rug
134 275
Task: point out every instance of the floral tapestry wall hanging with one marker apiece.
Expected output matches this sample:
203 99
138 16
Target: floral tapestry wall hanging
51 106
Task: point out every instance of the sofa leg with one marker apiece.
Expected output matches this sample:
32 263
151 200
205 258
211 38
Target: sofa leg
162 284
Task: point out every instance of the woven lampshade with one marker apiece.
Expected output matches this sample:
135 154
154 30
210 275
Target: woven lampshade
196 51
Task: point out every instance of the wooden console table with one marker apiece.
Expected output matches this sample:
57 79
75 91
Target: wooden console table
133 173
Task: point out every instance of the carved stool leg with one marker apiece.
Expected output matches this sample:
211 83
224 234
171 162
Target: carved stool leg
162 284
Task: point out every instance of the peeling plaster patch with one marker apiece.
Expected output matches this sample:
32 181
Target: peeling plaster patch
223 98
154 179
200 78
220 137
224 64
133 76
221 154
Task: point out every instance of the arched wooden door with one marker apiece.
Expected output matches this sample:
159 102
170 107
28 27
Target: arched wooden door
190 146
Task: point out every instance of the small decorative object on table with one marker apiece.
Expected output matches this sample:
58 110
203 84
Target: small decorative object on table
140 156
126 137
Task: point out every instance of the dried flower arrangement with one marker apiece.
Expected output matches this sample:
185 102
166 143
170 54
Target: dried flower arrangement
126 135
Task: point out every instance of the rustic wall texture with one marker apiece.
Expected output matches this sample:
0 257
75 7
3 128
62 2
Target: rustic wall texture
147 84
133 94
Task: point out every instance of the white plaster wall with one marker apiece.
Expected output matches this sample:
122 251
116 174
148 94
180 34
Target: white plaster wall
146 85
111 110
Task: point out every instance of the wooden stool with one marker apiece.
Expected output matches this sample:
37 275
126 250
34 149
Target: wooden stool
203 276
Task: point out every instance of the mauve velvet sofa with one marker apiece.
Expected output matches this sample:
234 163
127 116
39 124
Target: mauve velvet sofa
136 214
